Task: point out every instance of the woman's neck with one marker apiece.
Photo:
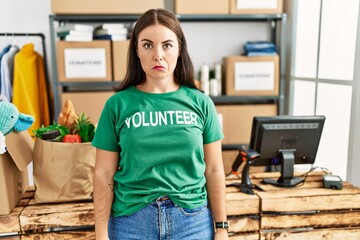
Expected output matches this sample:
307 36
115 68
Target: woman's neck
158 86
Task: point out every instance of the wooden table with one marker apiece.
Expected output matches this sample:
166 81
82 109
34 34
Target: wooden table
305 212
74 220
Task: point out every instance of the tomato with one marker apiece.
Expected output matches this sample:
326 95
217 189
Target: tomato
72 138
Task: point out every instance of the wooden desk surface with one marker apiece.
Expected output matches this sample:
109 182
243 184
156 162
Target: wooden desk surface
308 211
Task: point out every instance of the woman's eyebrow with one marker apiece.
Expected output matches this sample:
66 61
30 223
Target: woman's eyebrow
168 41
148 40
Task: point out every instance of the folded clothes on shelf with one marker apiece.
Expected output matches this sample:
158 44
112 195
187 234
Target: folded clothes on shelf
259 48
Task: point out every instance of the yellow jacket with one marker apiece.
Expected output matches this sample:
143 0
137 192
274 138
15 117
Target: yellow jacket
29 86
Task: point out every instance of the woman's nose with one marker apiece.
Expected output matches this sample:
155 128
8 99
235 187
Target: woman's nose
159 54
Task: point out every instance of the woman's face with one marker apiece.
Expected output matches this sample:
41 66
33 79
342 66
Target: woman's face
158 50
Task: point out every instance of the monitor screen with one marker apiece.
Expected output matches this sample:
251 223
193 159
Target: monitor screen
301 134
285 141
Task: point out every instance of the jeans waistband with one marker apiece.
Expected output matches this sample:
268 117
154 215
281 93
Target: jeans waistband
163 200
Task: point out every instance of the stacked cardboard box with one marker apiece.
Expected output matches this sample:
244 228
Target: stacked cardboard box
202 7
104 6
90 103
228 6
256 6
13 169
251 75
84 61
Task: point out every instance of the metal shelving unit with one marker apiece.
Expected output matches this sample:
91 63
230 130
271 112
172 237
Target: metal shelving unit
277 24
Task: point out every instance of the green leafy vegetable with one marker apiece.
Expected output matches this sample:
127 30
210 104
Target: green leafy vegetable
63 131
85 128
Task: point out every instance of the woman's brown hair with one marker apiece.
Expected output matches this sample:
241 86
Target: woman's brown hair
184 70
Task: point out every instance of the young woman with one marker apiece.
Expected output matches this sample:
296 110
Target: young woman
159 171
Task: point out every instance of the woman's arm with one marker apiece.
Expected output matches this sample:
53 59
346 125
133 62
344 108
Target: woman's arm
105 168
215 184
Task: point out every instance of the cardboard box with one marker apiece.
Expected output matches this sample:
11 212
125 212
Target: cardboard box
202 7
104 6
256 6
120 53
236 120
12 164
258 75
84 61
90 103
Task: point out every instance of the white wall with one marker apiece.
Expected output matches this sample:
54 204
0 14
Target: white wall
17 16
208 42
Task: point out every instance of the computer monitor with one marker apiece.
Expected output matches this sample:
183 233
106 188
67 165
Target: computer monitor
281 141
286 141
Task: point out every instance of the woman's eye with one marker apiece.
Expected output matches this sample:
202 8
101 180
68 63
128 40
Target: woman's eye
167 45
147 46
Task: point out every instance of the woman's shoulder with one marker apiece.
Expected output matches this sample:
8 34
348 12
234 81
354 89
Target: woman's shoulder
118 97
197 94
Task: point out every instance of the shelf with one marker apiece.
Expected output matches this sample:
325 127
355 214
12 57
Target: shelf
182 18
219 100
230 147
88 86
234 100
95 18
230 18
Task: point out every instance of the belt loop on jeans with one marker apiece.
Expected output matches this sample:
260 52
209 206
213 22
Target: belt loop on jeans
161 199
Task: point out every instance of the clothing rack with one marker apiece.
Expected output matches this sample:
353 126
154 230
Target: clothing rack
48 84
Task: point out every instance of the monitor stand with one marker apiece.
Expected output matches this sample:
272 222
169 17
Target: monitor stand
286 179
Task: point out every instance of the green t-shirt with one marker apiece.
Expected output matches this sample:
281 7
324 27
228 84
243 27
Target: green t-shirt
160 140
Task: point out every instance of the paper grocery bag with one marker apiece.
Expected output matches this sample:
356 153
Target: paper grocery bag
63 171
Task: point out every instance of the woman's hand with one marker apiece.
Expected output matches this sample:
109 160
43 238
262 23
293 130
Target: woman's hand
221 234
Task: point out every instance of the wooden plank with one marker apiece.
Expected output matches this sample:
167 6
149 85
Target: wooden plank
313 180
28 194
42 217
245 236
10 237
10 223
297 200
269 187
322 234
317 220
274 175
78 235
244 224
238 203
307 184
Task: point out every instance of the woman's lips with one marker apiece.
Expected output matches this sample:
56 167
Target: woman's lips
158 67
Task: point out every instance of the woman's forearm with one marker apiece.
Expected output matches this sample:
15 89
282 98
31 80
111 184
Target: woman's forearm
215 184
103 197
105 168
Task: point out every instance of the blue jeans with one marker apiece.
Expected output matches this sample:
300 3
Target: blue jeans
163 220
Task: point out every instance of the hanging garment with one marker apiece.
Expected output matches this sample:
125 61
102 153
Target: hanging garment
29 86
4 51
7 73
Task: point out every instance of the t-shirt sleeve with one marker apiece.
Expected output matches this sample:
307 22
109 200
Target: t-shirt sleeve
212 130
106 136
